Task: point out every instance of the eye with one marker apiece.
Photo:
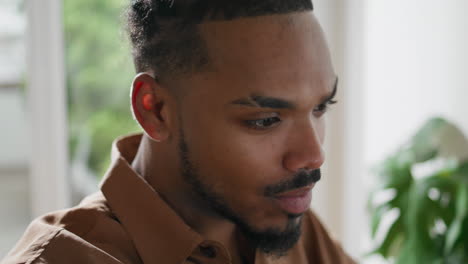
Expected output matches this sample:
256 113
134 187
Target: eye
263 123
323 107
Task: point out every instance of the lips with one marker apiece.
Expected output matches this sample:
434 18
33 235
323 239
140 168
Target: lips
295 201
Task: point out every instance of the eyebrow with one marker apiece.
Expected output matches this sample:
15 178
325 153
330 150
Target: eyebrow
277 103
264 102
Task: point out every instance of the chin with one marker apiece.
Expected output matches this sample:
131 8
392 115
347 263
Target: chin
274 240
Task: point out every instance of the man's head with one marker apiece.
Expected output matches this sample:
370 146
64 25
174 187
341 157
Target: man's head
165 33
237 105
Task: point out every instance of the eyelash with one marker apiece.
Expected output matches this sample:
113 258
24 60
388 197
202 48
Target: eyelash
259 124
255 124
323 108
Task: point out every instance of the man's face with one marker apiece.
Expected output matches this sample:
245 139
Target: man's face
252 128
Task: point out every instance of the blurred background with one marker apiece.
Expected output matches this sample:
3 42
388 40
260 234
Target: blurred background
66 69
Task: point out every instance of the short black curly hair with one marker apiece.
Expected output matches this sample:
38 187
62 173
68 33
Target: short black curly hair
164 33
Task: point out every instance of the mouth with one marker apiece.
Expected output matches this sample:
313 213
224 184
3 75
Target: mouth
296 201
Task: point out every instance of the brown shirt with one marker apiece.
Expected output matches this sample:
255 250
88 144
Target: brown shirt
128 222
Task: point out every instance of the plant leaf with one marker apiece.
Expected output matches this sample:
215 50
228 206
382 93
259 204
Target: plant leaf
377 217
393 232
461 212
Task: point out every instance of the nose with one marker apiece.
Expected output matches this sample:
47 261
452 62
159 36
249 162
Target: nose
305 150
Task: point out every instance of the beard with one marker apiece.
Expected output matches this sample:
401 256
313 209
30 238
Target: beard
271 241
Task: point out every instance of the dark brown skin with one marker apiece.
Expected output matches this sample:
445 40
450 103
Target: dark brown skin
281 56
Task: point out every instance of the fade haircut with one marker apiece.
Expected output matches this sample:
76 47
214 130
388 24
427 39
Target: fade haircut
164 33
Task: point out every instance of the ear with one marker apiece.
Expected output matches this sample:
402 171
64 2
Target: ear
149 106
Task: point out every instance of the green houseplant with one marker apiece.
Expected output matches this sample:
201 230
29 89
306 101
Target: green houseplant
426 189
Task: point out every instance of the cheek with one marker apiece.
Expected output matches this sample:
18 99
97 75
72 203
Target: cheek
230 157
237 161
239 164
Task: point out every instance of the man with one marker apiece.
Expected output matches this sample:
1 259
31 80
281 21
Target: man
231 96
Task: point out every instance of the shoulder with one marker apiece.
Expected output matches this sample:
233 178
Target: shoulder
318 243
88 233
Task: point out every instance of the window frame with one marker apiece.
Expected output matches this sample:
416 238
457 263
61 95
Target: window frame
46 96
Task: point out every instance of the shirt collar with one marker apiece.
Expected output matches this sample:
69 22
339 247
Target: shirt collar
159 234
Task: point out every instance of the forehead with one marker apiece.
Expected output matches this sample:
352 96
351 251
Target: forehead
268 54
264 46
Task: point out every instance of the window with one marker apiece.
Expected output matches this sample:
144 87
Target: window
99 74
14 164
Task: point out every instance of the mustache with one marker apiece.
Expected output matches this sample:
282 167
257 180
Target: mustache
301 179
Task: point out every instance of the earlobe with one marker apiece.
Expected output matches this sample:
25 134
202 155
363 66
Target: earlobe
147 103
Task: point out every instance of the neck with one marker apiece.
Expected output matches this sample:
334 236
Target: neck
160 168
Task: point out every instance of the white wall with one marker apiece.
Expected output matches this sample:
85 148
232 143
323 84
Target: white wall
417 67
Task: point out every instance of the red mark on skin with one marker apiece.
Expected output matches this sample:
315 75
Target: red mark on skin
148 102
136 90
